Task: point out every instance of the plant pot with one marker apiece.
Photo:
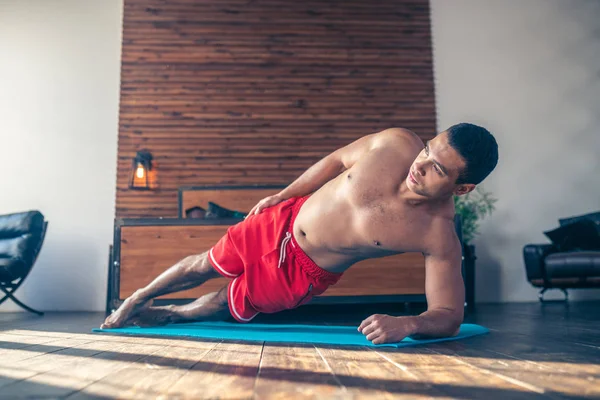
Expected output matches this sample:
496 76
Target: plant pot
469 274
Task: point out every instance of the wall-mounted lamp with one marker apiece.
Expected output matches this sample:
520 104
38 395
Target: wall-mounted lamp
141 168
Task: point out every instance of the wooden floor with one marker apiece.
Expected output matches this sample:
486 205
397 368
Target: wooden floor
533 351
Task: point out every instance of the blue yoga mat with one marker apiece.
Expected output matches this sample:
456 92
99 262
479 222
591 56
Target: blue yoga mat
333 335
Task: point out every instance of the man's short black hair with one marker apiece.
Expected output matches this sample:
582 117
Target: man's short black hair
479 149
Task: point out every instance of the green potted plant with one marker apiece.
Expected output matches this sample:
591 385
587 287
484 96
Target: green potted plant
472 208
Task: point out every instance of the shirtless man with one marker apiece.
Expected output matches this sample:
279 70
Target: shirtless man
385 193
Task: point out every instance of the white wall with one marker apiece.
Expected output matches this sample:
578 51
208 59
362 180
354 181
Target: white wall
530 72
59 91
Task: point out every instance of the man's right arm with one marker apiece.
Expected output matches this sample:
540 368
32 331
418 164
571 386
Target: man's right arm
337 162
333 165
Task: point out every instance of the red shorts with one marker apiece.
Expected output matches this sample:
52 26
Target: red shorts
269 269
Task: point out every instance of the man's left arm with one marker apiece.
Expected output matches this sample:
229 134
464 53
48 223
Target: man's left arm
444 289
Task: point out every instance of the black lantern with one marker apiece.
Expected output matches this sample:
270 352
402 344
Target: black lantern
140 171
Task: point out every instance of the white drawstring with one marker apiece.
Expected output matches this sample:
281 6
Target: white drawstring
284 242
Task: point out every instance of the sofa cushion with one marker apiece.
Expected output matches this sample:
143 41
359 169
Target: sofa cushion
11 269
21 248
595 217
583 234
534 256
582 264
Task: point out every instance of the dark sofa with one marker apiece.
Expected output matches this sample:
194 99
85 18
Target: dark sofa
571 261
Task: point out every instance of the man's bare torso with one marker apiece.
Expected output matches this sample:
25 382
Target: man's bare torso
362 214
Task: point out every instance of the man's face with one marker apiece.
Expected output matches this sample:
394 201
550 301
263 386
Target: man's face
434 172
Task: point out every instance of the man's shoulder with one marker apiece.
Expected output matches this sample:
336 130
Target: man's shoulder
400 136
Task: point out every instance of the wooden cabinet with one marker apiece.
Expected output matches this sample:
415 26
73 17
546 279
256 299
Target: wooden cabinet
145 247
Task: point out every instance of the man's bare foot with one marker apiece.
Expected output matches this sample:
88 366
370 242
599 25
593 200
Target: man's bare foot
130 308
155 316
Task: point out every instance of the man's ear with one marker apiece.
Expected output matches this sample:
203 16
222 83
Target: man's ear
464 189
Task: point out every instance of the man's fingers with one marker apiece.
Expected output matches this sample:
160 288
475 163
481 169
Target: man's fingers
256 209
373 335
264 203
369 329
378 340
260 207
253 210
377 337
365 323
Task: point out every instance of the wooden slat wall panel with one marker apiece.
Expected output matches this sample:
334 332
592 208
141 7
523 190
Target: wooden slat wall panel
240 92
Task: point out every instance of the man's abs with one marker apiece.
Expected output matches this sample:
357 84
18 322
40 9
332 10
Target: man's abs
335 231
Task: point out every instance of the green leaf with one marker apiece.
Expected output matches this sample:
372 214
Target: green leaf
473 207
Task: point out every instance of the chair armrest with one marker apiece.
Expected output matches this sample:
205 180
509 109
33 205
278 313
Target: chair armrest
534 255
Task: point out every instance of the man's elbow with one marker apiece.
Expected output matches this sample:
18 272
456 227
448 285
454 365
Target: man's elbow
455 329
453 319
336 163
455 324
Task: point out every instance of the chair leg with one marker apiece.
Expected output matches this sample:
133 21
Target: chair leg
541 296
2 300
9 295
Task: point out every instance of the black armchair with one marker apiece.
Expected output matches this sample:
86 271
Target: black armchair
571 261
21 238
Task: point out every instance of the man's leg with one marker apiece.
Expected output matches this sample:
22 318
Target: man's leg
210 307
188 273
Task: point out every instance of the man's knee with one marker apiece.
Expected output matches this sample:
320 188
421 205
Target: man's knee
221 297
222 308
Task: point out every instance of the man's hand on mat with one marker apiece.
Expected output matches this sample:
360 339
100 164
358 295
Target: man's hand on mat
379 328
130 308
266 203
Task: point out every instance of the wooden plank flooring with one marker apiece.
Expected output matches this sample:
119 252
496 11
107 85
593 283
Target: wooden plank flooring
534 351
